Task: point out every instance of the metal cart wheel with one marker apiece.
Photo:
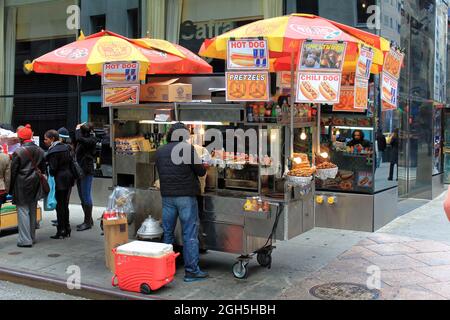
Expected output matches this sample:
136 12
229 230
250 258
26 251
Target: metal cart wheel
145 289
264 259
240 270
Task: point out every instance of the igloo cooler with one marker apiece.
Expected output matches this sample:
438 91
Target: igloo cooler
143 267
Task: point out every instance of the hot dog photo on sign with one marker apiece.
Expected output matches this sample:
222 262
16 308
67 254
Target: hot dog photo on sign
248 55
120 95
318 87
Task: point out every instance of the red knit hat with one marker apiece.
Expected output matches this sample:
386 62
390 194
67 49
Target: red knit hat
25 133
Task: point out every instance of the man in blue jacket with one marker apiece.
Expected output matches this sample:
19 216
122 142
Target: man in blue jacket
179 168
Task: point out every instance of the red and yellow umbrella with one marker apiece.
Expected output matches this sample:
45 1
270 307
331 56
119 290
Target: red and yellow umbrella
286 34
168 58
89 54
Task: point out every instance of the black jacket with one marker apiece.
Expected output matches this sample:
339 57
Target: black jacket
179 180
85 152
59 160
25 183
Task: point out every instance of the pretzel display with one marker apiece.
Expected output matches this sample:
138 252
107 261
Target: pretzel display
257 89
346 185
237 89
326 165
301 172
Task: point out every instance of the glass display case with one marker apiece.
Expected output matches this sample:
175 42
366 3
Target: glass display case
349 144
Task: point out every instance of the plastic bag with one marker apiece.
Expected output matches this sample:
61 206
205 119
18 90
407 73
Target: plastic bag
50 200
121 200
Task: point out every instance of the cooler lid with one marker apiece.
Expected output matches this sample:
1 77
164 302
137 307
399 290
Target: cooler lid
146 249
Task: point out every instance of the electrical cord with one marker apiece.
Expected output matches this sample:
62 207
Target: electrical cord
274 229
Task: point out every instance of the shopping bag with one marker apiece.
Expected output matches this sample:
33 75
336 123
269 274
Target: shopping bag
447 204
50 200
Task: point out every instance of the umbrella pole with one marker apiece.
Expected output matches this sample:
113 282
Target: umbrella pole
293 97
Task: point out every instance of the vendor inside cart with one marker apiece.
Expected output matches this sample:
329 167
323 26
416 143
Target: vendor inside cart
358 139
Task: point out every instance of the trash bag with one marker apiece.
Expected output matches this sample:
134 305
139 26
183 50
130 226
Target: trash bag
50 200
121 200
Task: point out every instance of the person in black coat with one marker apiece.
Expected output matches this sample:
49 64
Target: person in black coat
394 154
59 160
85 150
179 167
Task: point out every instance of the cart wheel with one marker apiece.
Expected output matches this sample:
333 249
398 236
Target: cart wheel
240 270
264 259
114 281
145 289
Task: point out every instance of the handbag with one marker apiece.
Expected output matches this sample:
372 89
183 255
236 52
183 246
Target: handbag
50 201
42 179
76 169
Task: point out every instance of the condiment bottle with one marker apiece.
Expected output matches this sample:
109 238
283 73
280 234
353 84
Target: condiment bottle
262 112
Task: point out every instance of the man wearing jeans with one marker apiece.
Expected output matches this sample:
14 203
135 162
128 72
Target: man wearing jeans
179 168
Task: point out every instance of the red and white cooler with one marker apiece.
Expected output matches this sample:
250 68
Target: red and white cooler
144 266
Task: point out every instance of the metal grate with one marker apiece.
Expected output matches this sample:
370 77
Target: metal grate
344 291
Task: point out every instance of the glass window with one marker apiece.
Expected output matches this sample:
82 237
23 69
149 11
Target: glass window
308 6
98 23
133 23
362 14
349 142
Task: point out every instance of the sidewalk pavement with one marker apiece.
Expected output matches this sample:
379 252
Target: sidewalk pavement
412 266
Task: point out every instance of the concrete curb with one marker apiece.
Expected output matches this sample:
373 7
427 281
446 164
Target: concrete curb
49 283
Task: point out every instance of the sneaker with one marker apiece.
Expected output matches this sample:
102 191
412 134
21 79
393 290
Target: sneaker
193 277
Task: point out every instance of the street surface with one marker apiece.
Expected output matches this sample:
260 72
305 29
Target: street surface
11 291
407 259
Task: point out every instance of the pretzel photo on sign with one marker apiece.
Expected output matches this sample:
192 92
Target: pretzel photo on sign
237 89
257 89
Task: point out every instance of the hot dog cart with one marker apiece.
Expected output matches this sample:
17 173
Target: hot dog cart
225 225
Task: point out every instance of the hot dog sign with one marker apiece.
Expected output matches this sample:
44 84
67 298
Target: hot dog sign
120 72
319 87
248 54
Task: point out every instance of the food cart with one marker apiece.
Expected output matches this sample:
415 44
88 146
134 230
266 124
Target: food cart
232 182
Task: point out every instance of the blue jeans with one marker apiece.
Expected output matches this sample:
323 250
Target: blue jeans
185 208
84 186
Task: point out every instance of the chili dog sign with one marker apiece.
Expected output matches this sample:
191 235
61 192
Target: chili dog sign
116 95
120 72
318 87
248 54
247 86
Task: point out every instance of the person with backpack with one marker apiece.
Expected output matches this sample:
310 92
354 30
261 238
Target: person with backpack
28 185
59 160
85 150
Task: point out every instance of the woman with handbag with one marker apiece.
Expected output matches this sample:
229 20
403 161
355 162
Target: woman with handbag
59 160
28 185
85 151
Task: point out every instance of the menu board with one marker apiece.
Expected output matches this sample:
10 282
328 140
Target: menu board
393 63
248 54
364 63
361 93
116 95
120 72
318 87
389 92
248 86
322 56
